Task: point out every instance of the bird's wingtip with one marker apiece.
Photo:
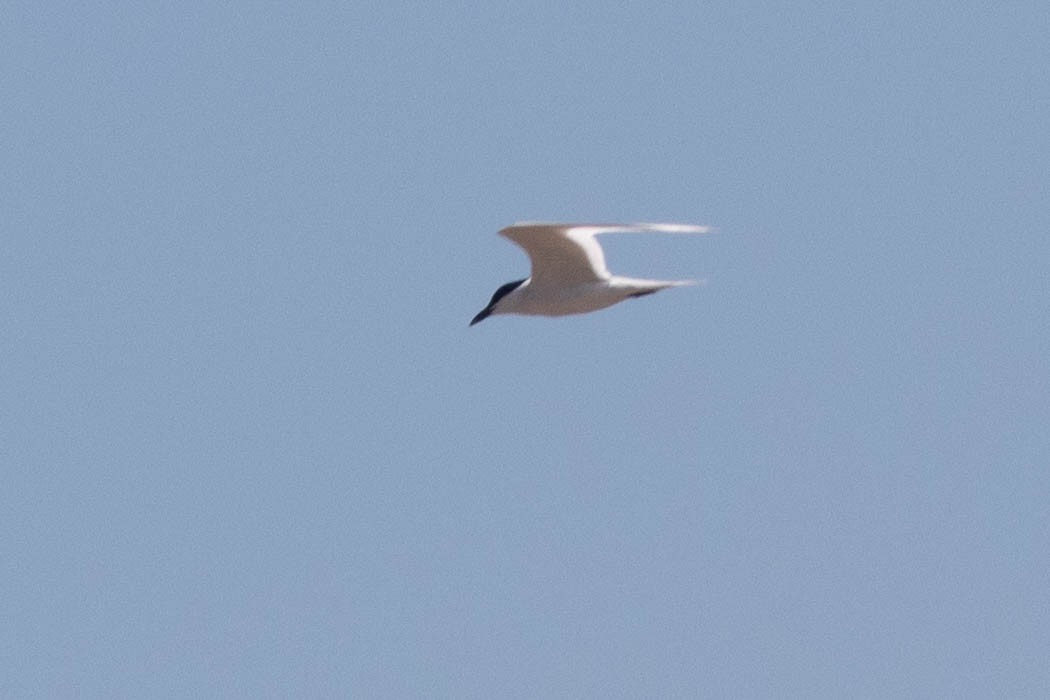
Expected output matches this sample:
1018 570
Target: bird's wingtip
680 228
637 227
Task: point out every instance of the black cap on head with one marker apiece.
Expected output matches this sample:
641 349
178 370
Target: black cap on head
503 291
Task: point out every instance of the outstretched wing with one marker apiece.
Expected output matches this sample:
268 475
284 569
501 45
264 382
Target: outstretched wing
568 254
561 254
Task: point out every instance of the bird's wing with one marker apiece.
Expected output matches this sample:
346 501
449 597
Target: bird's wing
566 254
561 254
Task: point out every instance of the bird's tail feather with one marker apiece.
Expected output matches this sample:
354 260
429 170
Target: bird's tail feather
655 285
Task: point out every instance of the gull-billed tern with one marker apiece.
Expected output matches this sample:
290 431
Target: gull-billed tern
569 275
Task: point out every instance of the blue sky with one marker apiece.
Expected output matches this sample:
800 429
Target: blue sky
251 448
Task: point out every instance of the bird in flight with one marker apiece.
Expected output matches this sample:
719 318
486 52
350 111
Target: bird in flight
569 275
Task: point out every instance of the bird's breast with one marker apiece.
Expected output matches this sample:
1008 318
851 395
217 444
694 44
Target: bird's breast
563 301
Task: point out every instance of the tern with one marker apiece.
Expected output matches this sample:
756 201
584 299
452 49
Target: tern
569 275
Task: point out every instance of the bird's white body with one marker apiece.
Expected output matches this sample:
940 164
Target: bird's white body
537 300
569 275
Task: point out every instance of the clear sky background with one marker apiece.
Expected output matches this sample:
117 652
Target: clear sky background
250 447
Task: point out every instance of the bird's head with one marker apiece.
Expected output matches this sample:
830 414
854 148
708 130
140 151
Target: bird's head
494 304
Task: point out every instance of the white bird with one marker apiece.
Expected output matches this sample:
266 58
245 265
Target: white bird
569 275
